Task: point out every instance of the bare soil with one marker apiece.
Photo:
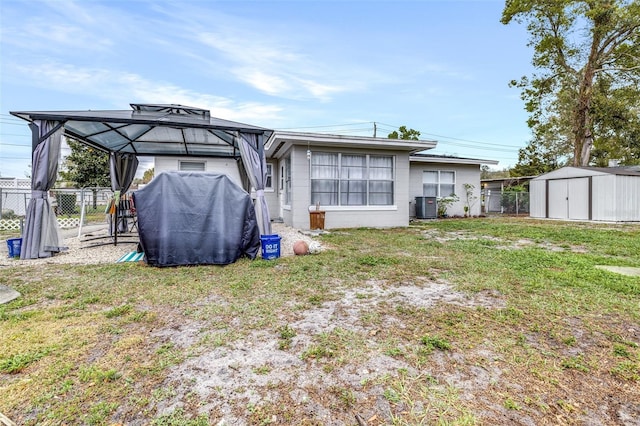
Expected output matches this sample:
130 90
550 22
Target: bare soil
356 359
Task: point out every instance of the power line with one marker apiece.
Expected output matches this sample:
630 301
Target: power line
14 144
14 134
449 137
329 125
513 149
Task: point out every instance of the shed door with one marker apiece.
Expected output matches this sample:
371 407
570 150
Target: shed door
558 199
569 199
578 191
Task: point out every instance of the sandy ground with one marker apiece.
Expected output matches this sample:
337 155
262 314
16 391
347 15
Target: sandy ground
88 250
233 381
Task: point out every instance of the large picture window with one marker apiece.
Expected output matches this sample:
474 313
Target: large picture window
351 180
438 183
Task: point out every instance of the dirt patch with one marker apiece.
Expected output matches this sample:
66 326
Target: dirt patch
498 243
339 367
232 380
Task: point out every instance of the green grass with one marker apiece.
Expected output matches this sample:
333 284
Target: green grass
88 334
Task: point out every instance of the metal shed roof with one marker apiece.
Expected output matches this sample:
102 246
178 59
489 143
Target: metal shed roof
152 129
575 172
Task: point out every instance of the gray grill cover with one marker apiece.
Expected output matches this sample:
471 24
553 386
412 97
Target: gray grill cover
189 218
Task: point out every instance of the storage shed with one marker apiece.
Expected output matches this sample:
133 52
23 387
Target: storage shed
609 194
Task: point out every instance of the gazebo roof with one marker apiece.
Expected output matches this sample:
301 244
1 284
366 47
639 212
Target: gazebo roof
152 129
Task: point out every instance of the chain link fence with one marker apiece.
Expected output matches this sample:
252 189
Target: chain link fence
66 203
505 202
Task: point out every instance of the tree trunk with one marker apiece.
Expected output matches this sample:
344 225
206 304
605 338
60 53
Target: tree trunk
583 139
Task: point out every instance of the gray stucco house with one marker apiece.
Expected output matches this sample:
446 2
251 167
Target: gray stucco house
357 181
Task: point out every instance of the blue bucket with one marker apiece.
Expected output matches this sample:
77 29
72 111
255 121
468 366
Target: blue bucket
270 246
14 244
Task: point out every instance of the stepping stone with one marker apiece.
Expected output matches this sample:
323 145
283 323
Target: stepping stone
624 270
7 294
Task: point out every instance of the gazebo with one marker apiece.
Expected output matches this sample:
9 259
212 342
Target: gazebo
145 130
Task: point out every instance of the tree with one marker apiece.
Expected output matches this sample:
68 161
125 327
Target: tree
487 173
148 175
533 160
585 51
86 167
405 134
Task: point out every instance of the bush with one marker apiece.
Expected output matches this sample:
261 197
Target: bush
9 214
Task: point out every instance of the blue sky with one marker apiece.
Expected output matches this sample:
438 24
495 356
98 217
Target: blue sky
440 67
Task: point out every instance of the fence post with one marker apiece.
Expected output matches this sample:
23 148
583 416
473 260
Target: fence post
81 212
517 203
0 203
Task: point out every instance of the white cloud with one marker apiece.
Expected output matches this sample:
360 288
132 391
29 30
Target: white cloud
62 26
273 67
122 88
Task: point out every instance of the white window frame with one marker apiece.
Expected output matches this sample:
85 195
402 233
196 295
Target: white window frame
340 180
270 169
287 182
439 182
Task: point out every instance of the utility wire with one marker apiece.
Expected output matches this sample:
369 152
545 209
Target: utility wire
14 134
449 137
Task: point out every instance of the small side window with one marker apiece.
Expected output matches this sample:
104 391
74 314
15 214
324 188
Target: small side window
192 166
268 184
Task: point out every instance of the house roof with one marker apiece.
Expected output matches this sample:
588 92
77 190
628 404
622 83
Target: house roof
151 129
576 172
433 158
281 141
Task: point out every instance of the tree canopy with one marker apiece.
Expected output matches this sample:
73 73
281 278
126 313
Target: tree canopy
85 166
584 98
405 134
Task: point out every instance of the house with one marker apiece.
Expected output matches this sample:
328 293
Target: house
357 181
587 193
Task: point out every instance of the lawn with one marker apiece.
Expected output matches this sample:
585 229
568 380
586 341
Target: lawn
453 322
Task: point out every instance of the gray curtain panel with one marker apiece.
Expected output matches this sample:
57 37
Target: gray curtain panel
41 236
252 152
122 168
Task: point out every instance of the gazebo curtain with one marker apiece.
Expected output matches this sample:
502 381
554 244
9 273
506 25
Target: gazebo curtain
122 169
41 236
252 152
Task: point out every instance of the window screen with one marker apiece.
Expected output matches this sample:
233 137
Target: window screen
192 166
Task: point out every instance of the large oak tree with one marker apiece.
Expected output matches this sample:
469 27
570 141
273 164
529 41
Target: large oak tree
586 87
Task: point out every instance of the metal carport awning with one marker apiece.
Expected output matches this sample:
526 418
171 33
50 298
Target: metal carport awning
145 130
